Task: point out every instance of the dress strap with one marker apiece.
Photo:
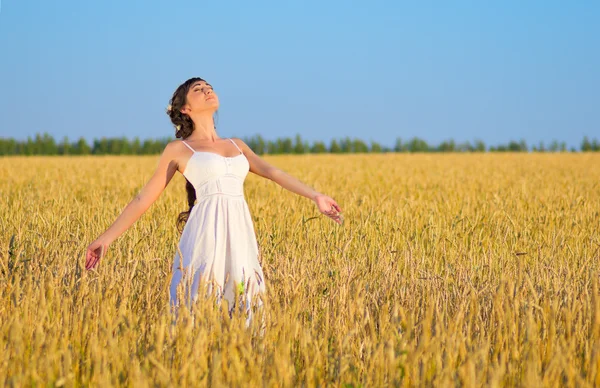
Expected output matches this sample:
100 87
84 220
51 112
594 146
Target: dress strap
236 146
188 146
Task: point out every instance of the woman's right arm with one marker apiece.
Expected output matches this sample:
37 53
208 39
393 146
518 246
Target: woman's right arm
167 167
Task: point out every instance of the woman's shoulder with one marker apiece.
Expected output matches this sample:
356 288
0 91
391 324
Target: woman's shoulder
175 144
174 147
240 143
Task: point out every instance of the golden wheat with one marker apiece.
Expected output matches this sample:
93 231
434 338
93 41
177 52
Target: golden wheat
450 269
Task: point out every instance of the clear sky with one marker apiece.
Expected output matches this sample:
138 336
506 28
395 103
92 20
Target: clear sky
375 70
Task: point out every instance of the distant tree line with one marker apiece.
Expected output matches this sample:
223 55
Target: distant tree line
44 144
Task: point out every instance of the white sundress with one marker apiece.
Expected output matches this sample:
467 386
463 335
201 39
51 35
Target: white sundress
218 243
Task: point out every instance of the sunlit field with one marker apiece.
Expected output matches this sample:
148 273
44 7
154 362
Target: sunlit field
450 269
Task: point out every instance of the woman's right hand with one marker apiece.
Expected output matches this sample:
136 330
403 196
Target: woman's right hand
95 251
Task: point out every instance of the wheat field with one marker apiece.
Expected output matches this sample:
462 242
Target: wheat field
450 270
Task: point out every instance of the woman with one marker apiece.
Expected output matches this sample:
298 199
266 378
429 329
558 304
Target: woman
218 245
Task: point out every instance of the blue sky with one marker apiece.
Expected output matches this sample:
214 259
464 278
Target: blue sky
373 70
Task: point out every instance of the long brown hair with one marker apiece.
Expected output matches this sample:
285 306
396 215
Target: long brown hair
184 126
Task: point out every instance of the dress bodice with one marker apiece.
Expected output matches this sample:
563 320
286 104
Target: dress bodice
211 173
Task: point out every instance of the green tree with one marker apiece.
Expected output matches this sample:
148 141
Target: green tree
375 147
334 147
400 146
136 146
563 146
9 147
64 148
359 146
261 145
346 145
447 146
479 146
271 147
286 145
318 147
541 147
299 145
586 145
417 145
82 147
465 147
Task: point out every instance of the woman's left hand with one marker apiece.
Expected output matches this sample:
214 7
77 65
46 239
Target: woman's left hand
329 207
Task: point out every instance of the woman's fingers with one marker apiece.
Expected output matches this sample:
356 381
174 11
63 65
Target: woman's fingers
330 208
95 260
339 218
89 258
94 254
99 254
335 206
90 262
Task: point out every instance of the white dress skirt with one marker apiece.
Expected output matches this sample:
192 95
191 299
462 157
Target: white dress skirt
218 244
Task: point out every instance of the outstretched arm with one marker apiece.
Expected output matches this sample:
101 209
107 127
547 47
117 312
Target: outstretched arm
259 166
133 211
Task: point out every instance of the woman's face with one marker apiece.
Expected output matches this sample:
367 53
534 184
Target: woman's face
201 97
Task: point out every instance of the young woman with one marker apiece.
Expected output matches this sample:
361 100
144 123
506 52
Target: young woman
218 244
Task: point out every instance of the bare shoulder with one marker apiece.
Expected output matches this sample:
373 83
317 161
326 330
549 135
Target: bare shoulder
177 143
240 143
174 147
173 150
173 154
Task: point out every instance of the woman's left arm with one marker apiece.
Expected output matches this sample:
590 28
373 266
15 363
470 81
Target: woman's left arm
259 166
